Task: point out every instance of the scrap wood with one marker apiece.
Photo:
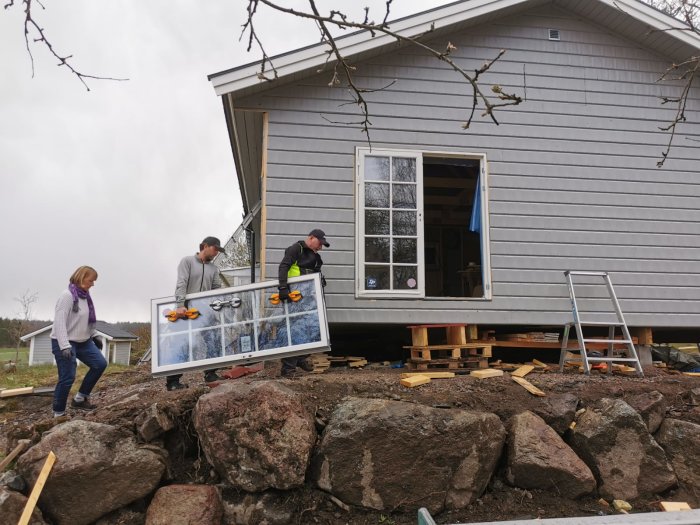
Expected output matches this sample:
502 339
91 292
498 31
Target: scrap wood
10 392
673 506
357 363
22 444
486 372
523 371
36 491
539 364
431 375
692 374
414 381
528 386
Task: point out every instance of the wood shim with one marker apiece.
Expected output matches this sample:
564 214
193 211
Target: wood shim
522 371
414 381
673 506
486 372
36 491
431 375
12 455
528 386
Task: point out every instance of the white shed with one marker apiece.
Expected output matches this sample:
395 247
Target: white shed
116 344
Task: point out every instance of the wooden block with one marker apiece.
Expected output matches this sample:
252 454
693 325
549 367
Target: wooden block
431 375
528 386
523 371
36 491
10 392
415 381
674 506
419 335
456 335
357 364
486 372
472 331
539 364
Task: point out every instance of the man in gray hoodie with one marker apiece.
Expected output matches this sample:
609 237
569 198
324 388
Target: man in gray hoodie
196 273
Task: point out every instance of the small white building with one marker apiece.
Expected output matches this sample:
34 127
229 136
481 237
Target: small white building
116 344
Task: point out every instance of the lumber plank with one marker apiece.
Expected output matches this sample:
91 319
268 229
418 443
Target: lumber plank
692 374
522 371
22 444
431 375
414 381
486 372
36 491
10 392
539 364
528 386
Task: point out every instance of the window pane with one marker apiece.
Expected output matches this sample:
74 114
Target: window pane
377 168
377 222
376 249
404 196
404 222
376 195
405 251
404 170
376 277
405 277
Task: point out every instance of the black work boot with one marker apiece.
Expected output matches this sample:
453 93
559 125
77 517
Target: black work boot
174 385
210 376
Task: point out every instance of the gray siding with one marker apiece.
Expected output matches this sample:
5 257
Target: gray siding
122 352
572 172
42 349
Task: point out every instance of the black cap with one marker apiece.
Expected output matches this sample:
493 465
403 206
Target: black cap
213 241
320 236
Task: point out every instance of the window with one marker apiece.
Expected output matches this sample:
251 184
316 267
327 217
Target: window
422 224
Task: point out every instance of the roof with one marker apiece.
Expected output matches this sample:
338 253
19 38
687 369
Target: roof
110 331
629 18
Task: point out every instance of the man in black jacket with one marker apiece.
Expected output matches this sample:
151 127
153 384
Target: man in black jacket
301 258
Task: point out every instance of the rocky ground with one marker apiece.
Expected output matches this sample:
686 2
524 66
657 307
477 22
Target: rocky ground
122 398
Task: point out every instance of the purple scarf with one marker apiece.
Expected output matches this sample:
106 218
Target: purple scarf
78 292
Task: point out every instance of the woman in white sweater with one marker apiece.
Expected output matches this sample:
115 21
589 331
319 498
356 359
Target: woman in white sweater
72 337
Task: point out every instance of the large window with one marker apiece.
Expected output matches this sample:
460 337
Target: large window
422 224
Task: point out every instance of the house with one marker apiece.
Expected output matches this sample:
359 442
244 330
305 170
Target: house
116 344
431 223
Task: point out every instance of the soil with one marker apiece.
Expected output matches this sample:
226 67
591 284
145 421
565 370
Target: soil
116 395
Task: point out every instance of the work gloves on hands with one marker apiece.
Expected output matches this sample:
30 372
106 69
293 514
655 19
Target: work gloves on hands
284 294
66 352
98 342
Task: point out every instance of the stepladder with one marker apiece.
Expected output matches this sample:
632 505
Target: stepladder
616 347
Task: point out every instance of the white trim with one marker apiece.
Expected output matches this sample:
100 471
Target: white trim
36 332
30 358
313 57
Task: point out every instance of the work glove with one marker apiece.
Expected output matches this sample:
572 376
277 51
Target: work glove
323 281
98 342
67 353
284 294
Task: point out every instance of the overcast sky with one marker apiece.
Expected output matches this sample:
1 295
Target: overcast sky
130 176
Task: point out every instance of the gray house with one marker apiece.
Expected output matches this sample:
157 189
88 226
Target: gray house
435 224
116 344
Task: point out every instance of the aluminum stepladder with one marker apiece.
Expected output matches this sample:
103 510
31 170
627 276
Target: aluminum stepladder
631 357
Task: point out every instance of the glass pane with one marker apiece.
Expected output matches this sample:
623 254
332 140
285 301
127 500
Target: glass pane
404 222
405 277
174 349
404 196
377 168
405 251
272 333
376 277
305 329
206 344
231 313
239 339
376 195
377 249
404 170
377 222
308 298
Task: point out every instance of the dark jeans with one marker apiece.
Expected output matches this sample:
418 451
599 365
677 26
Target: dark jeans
90 355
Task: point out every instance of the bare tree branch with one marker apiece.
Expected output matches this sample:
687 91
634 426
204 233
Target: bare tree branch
29 24
344 70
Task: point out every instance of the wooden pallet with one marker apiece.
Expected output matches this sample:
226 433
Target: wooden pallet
461 350
449 364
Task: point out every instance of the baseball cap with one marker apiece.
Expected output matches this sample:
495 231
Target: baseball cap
213 241
320 236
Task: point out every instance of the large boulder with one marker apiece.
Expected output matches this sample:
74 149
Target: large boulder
651 406
613 440
185 505
12 506
681 441
384 455
257 436
558 411
538 458
98 469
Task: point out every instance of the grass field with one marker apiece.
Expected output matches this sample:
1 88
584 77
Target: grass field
7 354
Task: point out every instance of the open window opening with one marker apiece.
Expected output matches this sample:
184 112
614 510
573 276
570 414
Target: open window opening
451 202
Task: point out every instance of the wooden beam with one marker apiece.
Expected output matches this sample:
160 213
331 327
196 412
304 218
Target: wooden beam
36 491
644 335
22 444
11 392
431 375
522 371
